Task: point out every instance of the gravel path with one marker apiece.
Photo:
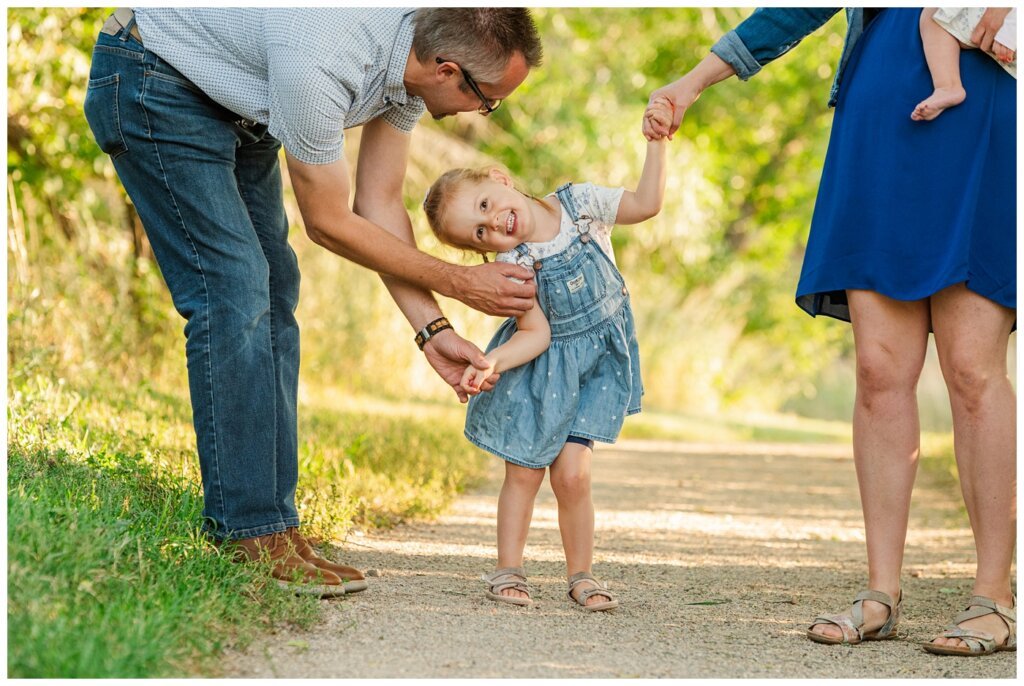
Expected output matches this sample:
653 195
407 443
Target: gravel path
721 554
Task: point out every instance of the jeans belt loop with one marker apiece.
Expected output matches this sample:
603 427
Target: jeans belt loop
125 18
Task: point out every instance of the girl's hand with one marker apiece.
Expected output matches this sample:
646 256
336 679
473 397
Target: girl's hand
677 96
474 378
985 32
1003 53
658 117
448 353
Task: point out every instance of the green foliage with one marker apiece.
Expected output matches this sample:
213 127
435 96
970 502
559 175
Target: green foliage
105 556
713 275
108 575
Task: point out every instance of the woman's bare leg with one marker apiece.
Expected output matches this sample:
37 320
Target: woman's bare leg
891 338
971 335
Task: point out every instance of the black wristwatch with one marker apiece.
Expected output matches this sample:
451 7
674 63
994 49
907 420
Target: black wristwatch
430 330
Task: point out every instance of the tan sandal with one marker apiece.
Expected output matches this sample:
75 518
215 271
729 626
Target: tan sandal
597 589
503 579
851 624
978 642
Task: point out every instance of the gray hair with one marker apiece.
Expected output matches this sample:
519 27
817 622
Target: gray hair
479 39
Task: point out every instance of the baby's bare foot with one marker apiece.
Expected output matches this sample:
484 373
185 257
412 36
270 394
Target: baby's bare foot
942 99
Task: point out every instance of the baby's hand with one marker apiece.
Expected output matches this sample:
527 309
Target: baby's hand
1003 53
473 378
658 113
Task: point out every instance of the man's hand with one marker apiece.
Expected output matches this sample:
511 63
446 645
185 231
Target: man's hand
988 26
488 288
449 353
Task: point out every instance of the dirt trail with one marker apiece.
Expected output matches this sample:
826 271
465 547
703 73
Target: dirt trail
771 534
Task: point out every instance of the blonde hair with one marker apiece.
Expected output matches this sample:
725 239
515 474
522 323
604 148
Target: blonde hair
435 203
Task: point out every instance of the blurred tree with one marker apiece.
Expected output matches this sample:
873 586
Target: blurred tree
712 276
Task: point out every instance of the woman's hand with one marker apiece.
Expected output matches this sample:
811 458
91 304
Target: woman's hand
658 117
684 92
1003 53
989 25
676 97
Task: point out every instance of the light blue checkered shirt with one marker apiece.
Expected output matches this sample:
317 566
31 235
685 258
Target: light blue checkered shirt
309 73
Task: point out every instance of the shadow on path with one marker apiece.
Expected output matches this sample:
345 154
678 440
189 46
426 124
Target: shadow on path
721 560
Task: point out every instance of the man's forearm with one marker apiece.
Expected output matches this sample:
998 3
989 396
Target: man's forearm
417 304
366 243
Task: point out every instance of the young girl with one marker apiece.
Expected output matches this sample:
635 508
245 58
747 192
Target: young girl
943 30
569 367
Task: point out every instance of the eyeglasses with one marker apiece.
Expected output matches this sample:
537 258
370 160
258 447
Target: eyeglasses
486 105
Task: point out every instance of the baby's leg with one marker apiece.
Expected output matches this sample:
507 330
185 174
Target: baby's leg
942 52
570 480
515 510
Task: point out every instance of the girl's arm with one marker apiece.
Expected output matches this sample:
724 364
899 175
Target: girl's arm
645 202
532 337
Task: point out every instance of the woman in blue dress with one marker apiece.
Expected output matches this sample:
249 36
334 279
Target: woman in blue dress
913 232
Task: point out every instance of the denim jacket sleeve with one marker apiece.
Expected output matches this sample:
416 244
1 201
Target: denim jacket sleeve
767 34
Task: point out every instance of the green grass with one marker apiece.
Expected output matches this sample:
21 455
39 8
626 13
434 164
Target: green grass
108 573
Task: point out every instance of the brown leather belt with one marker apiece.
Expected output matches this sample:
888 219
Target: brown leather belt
120 19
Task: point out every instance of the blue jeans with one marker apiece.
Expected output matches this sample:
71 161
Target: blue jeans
207 186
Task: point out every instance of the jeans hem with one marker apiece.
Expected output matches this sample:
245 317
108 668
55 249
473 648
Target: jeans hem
251 532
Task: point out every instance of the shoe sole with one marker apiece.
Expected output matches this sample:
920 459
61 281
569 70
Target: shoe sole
936 649
509 600
355 586
829 640
600 607
319 590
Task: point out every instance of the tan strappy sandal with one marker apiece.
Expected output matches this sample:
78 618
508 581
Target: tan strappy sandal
978 642
506 578
597 589
851 625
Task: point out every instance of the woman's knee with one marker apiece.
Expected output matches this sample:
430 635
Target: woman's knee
969 378
884 369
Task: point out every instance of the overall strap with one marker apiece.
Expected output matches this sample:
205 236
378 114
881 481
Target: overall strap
580 221
565 197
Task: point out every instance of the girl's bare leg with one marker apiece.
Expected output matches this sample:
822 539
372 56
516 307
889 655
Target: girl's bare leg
515 510
971 335
570 480
942 52
891 338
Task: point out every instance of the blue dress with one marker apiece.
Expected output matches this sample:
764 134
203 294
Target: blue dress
907 208
587 381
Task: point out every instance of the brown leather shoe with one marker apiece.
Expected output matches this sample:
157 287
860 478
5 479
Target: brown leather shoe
287 567
353 578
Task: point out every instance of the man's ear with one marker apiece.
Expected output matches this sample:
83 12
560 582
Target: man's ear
444 71
500 176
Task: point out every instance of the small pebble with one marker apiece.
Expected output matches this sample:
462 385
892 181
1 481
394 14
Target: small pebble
372 572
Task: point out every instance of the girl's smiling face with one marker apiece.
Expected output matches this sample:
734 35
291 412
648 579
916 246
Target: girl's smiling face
489 215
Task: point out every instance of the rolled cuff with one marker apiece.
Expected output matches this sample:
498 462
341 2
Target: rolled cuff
734 52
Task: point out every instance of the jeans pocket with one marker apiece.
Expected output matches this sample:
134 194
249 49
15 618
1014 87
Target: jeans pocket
101 111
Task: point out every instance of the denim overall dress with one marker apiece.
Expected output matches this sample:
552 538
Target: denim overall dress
587 380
